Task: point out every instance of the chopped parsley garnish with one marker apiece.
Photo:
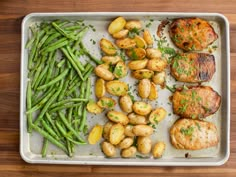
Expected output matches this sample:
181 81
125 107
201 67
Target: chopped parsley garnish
187 131
133 32
198 126
171 89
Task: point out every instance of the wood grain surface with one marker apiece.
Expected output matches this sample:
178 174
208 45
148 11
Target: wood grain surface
11 15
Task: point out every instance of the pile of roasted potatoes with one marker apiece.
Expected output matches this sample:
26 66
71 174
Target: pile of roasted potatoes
129 130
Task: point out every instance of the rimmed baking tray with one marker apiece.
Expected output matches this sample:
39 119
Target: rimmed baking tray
30 144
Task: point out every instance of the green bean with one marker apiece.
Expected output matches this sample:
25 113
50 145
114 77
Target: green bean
74 27
80 66
73 88
30 43
41 75
70 115
69 148
42 41
69 100
49 137
97 61
69 105
63 91
51 38
83 120
61 63
48 104
60 30
60 43
69 127
72 62
36 100
88 89
55 80
45 147
38 71
29 104
49 130
88 73
52 60
51 123
79 38
33 52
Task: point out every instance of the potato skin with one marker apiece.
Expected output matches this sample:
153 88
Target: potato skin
157 64
116 25
108 149
192 34
129 152
157 115
144 88
159 78
136 119
142 108
137 64
126 103
100 89
95 134
126 43
111 59
193 134
147 37
153 92
140 42
118 117
144 144
117 88
106 129
92 107
103 73
121 34
142 74
107 47
133 24
158 149
106 102
153 53
136 53
195 102
129 130
116 133
126 143
142 130
120 70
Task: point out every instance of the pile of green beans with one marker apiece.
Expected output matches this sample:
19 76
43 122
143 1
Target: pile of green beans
59 84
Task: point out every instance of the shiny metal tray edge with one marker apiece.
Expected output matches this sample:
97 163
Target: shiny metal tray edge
216 161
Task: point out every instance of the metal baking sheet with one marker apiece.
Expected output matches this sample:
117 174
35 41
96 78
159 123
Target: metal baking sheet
30 144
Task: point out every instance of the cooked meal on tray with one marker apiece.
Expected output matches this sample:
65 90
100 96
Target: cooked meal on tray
59 86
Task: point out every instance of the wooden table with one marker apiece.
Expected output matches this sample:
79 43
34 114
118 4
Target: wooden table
11 14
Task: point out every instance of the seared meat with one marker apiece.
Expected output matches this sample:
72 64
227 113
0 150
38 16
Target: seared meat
192 34
193 67
193 134
195 102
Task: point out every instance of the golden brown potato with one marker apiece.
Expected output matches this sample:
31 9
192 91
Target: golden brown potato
129 130
121 34
133 24
142 108
157 115
142 130
193 134
126 43
147 37
126 143
126 103
142 74
159 78
116 133
136 53
116 25
117 88
129 152
157 64
106 102
158 149
144 88
193 67
100 89
192 33
118 117
153 53
153 92
144 144
107 47
195 102
106 129
137 64
120 70
140 42
92 107
111 59
108 149
105 74
136 119
95 134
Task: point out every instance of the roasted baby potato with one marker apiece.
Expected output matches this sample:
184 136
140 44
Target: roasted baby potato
100 89
95 134
92 107
195 102
116 25
129 152
144 144
157 115
133 24
118 117
103 73
129 130
126 43
106 129
142 130
126 103
126 143
157 64
158 149
136 53
144 88
147 37
117 88
116 133
106 102
111 60
142 108
193 134
140 42
108 149
142 74
137 64
107 47
153 53
159 78
120 70
136 119
121 34
153 92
